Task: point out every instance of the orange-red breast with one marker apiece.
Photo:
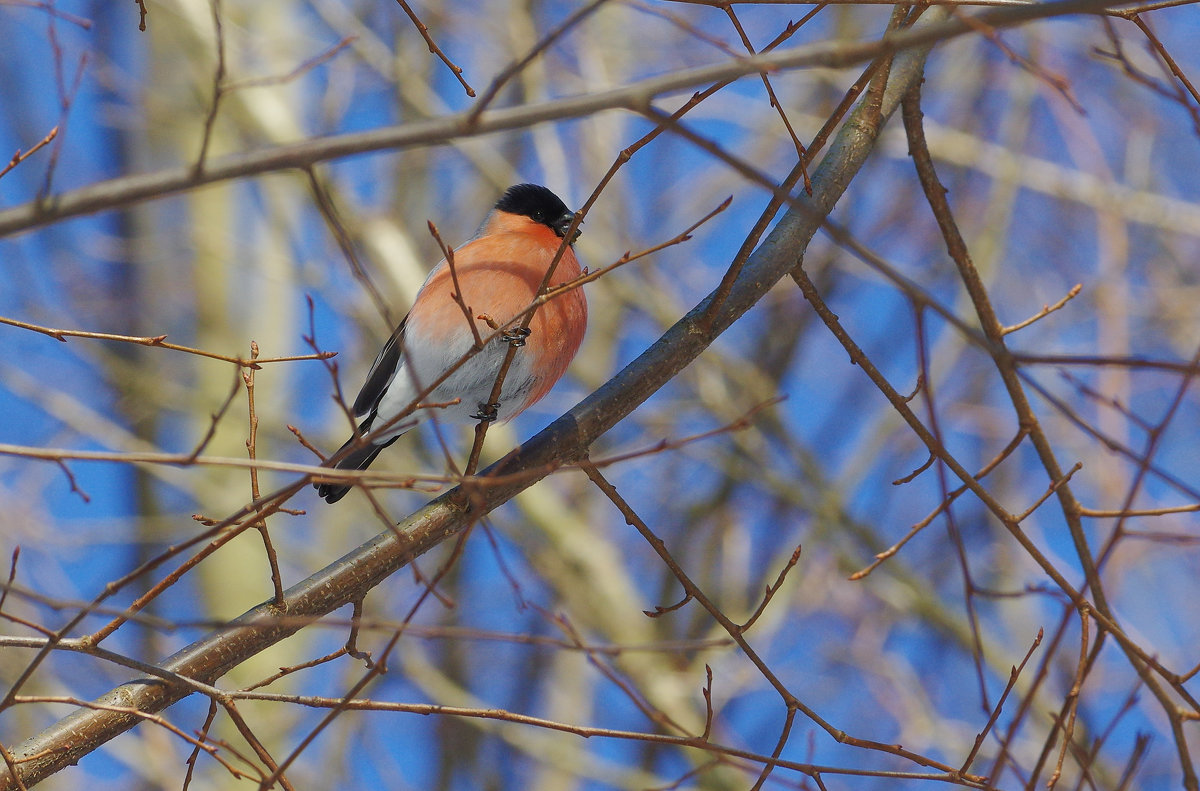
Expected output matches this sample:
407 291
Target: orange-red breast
499 272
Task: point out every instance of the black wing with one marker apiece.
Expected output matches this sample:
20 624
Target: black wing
382 372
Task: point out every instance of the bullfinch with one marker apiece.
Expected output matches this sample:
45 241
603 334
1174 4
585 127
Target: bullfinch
499 272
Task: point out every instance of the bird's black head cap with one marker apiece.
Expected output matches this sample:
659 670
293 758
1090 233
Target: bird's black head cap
538 204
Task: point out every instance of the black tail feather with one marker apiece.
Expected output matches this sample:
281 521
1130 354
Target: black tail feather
358 459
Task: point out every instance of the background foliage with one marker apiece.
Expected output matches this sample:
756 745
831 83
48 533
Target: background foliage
1069 149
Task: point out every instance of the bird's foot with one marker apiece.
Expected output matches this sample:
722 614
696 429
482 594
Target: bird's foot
516 336
487 412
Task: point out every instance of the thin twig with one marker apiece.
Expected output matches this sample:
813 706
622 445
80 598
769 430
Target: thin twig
1055 81
218 87
160 341
1068 728
772 590
325 204
21 156
435 49
202 736
801 154
517 66
12 576
260 523
1013 675
294 74
66 97
457 294
1045 311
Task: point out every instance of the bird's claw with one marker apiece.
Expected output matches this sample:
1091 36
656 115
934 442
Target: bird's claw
487 412
516 336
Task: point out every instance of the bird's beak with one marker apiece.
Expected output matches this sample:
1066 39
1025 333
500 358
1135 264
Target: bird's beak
564 223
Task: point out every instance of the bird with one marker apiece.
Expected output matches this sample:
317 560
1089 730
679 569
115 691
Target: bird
499 272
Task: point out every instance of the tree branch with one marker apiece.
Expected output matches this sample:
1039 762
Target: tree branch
132 189
566 440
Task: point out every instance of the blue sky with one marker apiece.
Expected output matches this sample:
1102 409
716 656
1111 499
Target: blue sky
816 469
